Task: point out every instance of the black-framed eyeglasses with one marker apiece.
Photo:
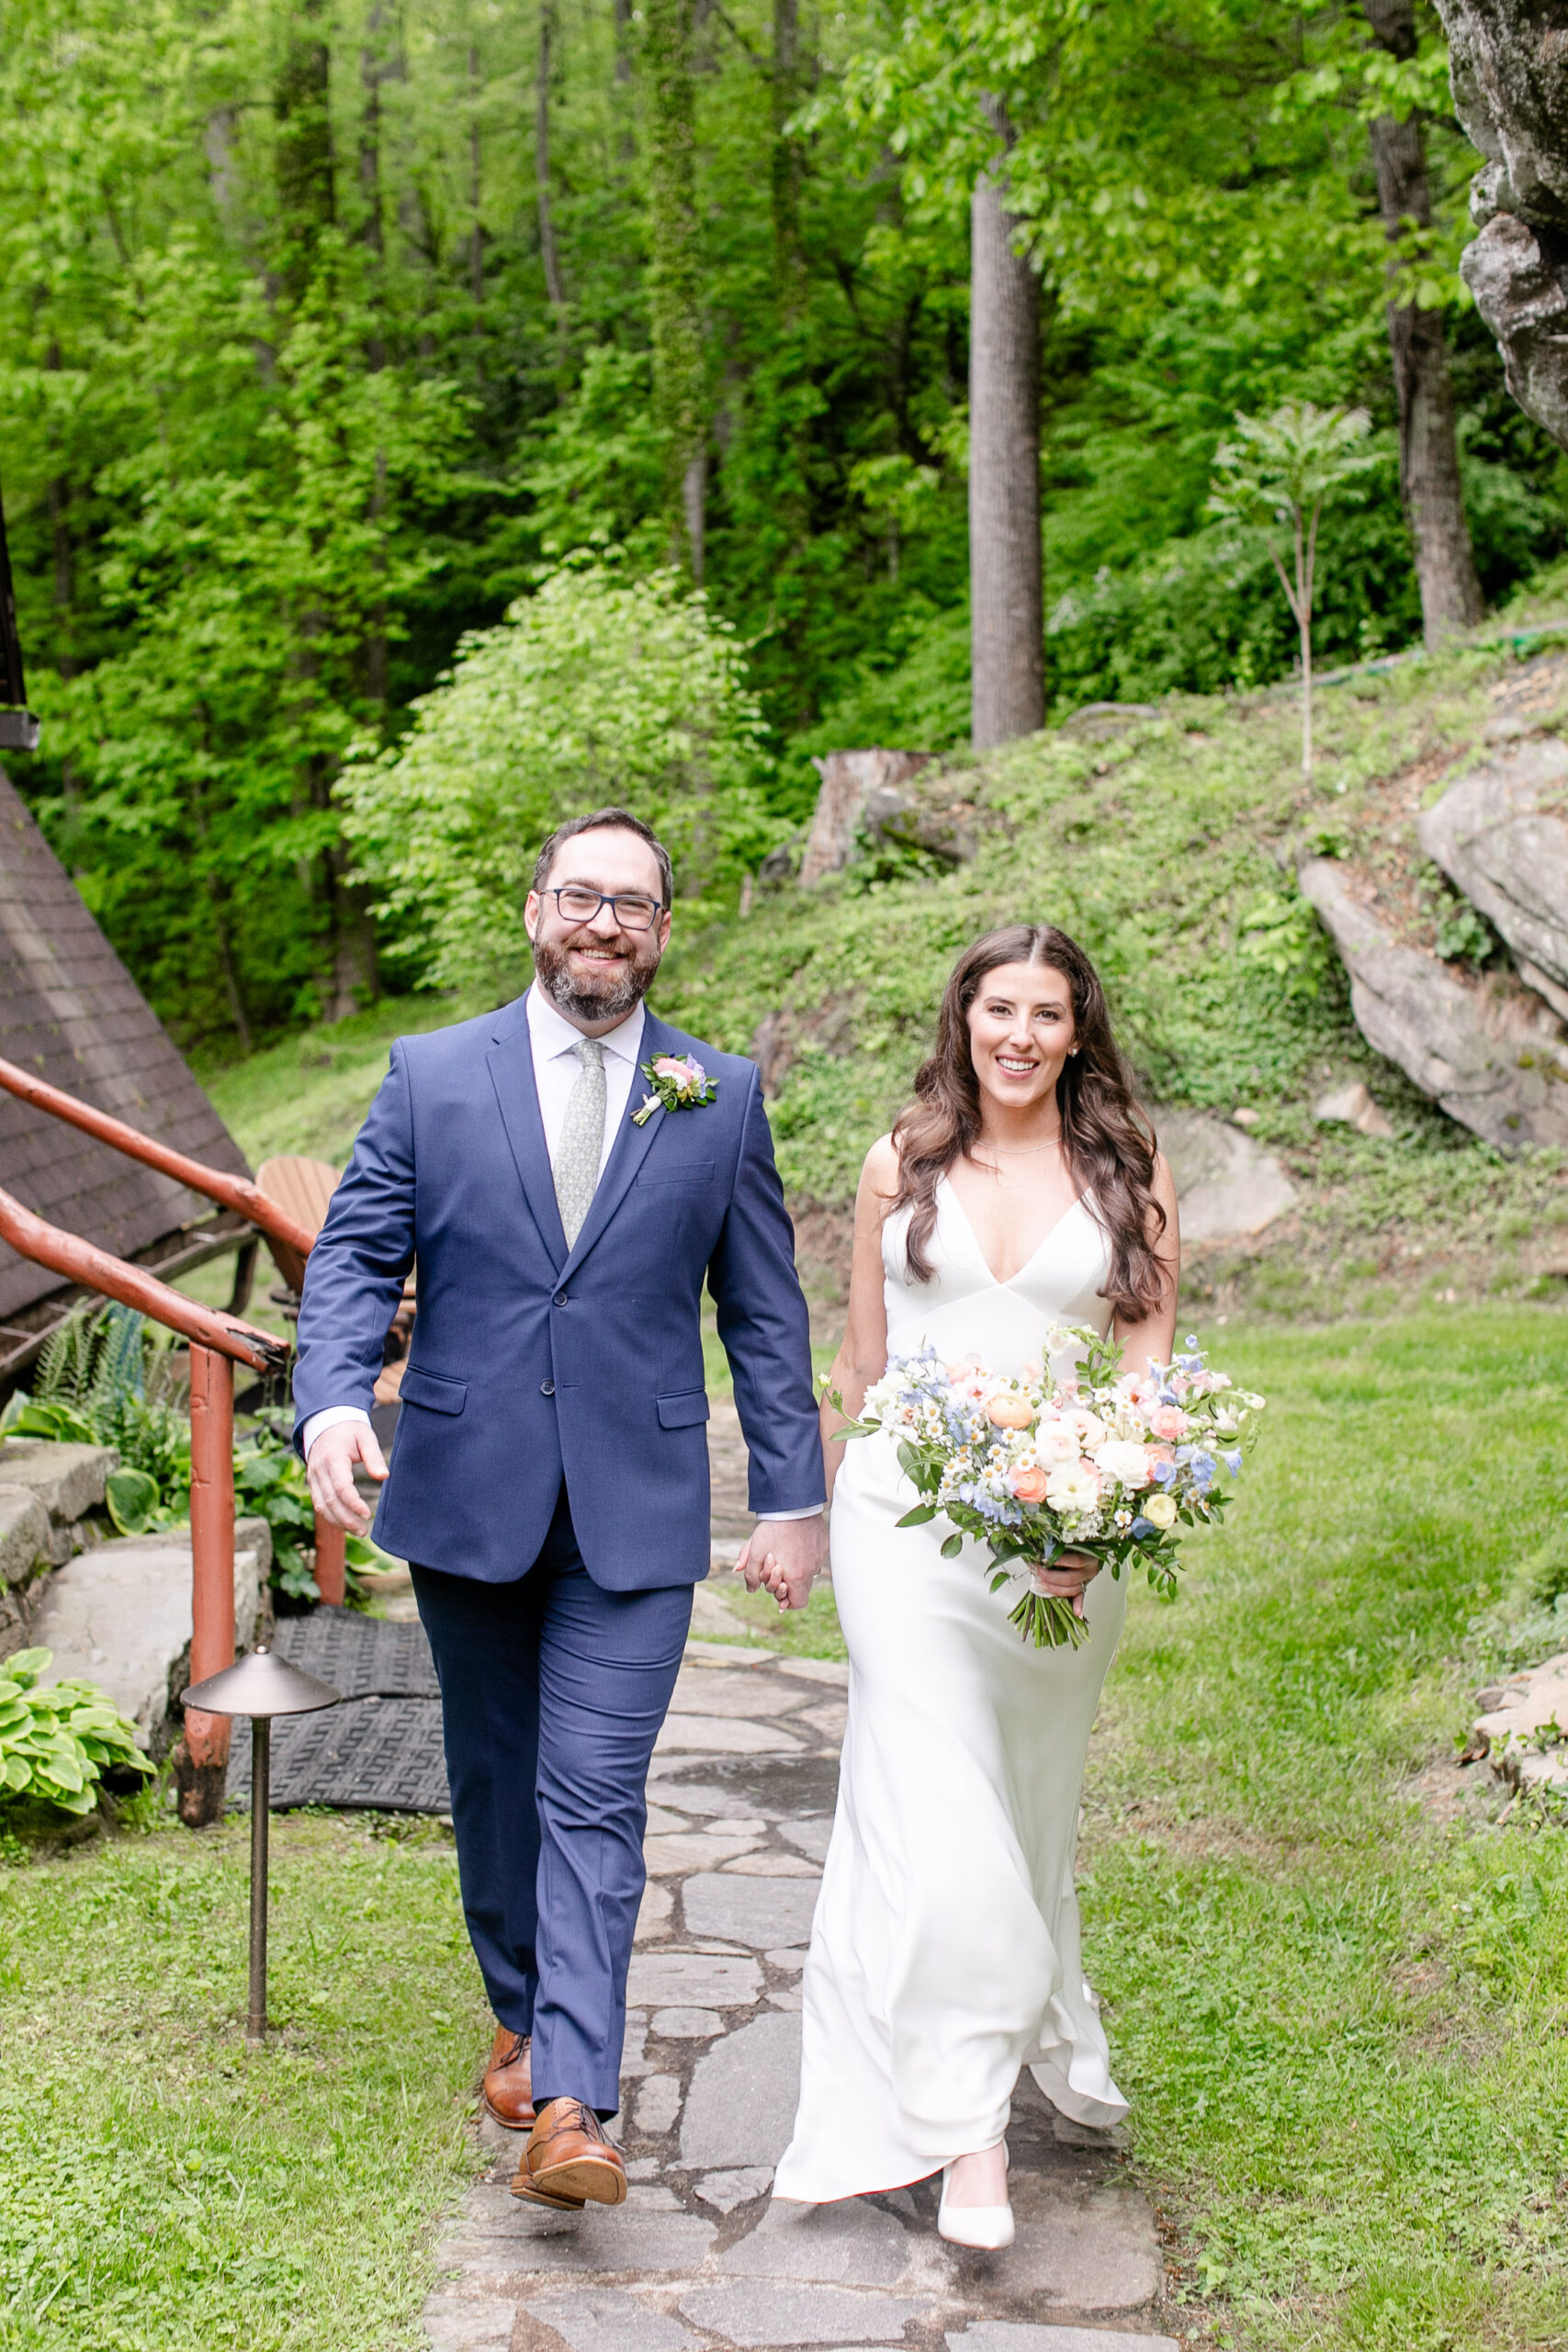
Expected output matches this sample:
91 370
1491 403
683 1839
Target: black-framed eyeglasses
577 903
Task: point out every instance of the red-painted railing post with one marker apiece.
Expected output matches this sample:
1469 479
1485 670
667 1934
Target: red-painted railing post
332 1562
201 1758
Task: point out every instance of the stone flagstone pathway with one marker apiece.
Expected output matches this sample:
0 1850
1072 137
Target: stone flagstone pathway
698 2259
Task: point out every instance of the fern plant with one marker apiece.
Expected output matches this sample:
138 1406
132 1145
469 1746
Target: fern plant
107 1378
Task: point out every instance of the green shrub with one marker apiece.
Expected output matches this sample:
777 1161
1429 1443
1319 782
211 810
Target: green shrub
58 1741
598 688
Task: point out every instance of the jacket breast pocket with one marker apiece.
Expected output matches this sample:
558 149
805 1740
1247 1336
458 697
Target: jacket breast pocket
683 1411
679 1172
434 1391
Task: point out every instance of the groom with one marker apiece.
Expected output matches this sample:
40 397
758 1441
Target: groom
550 1488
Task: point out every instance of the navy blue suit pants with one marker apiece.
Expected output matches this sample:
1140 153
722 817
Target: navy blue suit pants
552 1693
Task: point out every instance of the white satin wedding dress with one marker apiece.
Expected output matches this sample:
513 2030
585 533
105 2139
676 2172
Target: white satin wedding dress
945 1951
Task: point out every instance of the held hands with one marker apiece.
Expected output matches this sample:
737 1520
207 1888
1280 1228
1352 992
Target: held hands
1074 1572
331 1472
784 1556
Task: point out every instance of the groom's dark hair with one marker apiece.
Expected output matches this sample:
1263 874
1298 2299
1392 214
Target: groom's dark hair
619 820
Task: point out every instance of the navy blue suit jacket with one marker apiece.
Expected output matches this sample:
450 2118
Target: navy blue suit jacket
529 1359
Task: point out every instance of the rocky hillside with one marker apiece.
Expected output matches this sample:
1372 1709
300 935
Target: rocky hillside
1341 996
1343 1138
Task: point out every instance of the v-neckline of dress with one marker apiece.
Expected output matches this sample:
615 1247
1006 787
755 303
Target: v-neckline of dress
1043 1243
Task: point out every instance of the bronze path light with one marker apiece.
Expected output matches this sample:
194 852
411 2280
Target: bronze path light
260 1686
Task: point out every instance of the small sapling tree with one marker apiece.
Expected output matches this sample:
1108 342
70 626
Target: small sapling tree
1276 476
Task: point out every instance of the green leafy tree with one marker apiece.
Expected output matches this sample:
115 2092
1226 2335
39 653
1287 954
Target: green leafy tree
1277 476
597 688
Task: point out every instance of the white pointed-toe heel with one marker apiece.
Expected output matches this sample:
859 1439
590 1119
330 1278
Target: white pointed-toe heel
985 2228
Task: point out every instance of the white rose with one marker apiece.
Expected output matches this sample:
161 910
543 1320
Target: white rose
1091 1430
1073 1487
1127 1463
1056 1442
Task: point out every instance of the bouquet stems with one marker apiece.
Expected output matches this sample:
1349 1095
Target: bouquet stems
1050 1621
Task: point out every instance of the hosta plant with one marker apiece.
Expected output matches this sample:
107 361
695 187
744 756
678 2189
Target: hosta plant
57 1740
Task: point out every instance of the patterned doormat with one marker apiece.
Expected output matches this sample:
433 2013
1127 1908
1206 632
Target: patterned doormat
380 1751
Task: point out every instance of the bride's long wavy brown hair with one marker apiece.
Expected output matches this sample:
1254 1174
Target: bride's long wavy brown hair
1108 1143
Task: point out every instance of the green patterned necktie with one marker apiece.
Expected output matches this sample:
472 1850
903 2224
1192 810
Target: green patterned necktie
581 1144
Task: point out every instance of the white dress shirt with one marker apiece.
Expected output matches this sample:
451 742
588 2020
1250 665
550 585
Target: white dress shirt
556 1071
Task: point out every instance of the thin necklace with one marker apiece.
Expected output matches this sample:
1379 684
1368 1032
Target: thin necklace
1022 1150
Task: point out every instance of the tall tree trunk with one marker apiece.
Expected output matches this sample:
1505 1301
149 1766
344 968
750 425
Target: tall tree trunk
673 280
476 186
1429 448
372 231
547 254
1006 578
64 556
788 161
303 160
626 144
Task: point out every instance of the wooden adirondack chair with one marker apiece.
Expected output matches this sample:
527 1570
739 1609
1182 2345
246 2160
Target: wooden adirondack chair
304 1188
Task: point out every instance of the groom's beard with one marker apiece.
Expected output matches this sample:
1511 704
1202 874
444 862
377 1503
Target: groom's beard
589 997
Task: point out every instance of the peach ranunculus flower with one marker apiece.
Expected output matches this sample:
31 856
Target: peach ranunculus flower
1056 1442
1027 1483
1170 1422
1006 1411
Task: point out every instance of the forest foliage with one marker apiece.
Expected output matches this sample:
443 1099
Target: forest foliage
330 330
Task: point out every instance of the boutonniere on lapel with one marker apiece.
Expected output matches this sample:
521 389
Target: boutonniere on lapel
678 1082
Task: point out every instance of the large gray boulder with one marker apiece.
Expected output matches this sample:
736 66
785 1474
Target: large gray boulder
1510 68
1491 1053
888 796
1227 1187
1501 836
121 1616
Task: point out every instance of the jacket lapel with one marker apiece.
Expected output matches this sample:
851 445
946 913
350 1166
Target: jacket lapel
631 1148
511 1060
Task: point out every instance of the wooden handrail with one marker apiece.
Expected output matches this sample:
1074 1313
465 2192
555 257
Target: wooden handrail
83 1262
218 1343
289 1240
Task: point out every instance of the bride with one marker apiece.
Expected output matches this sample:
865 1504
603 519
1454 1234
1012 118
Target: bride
1021 1187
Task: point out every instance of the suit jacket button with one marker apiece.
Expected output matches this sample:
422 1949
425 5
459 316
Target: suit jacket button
561 1297
547 1387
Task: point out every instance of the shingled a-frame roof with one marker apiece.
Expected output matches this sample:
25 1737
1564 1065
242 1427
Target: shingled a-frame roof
70 1012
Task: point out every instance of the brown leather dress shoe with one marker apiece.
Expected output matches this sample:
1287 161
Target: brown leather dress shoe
508 2091
568 2160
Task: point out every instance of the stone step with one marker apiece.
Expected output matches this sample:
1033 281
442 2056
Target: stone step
121 1616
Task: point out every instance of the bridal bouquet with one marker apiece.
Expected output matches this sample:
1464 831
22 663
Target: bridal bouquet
1108 1463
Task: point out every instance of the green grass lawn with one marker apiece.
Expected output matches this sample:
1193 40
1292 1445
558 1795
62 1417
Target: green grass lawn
310 1094
1341 2021
163 2185
1339 2016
